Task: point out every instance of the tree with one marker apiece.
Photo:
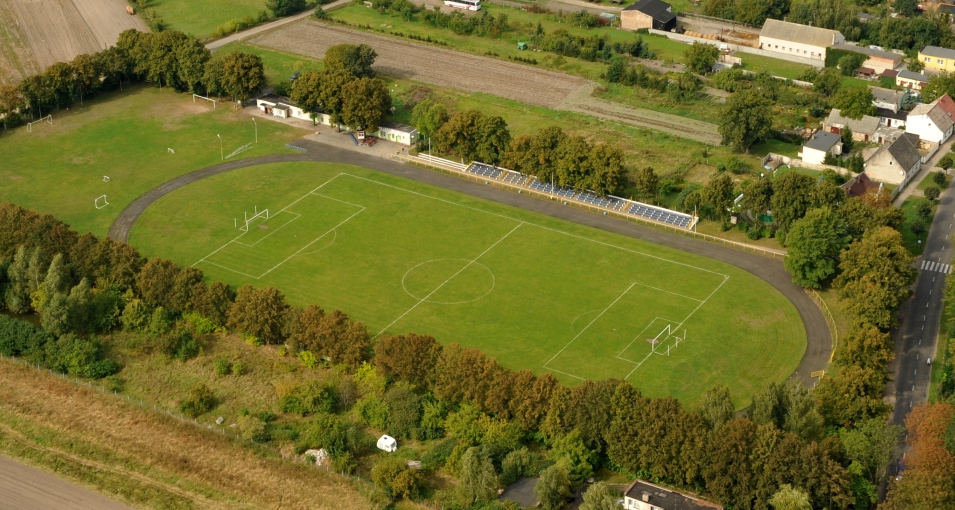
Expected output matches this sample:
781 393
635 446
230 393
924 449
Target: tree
792 197
191 58
850 62
606 166
285 7
242 74
365 103
393 476
155 281
872 444
199 401
700 57
939 85
876 272
616 70
828 82
474 136
553 487
788 498
259 312
306 91
600 496
854 102
716 406
719 194
214 301
939 177
847 140
747 119
647 182
428 116
87 74
477 480
814 244
757 198
907 8
357 59
333 80
409 358
932 192
927 483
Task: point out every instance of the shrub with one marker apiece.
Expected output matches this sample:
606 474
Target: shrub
946 162
939 178
336 436
254 429
372 411
917 226
438 454
393 476
924 209
222 367
202 325
310 398
238 368
308 359
517 464
932 192
199 401
78 357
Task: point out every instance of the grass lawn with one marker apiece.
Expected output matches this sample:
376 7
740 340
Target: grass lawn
909 238
774 66
201 18
701 108
401 256
59 168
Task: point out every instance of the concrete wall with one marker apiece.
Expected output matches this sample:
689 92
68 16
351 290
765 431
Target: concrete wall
633 20
743 49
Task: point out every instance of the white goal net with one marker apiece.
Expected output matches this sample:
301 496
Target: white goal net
256 216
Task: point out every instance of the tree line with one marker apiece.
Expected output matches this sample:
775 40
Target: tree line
167 58
489 424
550 154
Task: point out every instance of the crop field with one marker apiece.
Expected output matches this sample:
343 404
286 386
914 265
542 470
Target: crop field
531 291
34 35
126 136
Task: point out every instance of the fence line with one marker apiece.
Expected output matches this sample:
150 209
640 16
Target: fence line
435 163
830 320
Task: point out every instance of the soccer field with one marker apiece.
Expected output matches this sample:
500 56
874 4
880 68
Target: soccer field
532 291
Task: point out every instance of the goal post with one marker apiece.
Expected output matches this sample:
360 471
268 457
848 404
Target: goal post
48 119
100 202
668 338
194 96
263 214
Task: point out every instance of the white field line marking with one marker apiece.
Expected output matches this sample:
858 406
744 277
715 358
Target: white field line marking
346 220
297 216
449 279
334 238
565 373
283 209
680 325
589 324
230 269
642 331
538 226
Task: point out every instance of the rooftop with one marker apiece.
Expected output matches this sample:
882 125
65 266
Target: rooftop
398 127
936 113
891 73
905 150
936 51
786 31
887 96
859 185
656 9
909 75
823 141
866 125
666 499
889 114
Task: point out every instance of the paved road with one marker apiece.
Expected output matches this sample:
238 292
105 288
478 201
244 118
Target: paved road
819 340
918 328
238 36
26 488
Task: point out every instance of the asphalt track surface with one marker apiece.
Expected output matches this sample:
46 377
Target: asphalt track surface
26 488
819 346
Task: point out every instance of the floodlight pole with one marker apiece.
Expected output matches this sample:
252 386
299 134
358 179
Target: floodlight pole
221 153
256 124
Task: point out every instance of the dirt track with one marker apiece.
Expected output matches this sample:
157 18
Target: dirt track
38 33
27 488
438 66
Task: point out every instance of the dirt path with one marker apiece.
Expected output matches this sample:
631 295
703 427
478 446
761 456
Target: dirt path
819 344
582 101
245 34
27 488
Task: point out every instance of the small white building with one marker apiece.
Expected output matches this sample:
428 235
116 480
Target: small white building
387 443
897 162
911 80
281 107
887 99
399 133
641 495
930 121
798 40
822 143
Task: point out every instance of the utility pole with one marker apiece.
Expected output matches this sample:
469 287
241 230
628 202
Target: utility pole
221 153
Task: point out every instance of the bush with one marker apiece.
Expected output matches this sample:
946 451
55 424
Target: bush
438 454
199 401
393 476
946 162
78 357
939 178
924 209
337 437
238 368
917 226
372 411
179 344
222 367
202 325
932 192
254 429
517 464
309 398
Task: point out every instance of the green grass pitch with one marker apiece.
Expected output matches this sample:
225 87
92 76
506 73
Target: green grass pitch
532 291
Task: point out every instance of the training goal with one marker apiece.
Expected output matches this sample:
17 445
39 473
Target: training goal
48 119
668 338
195 96
100 202
256 215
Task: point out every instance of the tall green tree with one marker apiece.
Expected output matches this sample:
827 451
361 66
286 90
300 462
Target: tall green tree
259 312
191 58
306 91
333 80
285 7
242 74
876 272
647 183
357 59
700 57
854 102
746 120
939 85
788 498
716 406
718 193
815 242
828 82
409 358
601 496
872 443
428 116
365 103
553 486
477 479
792 197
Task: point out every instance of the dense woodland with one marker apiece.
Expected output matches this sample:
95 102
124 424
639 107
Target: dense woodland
487 424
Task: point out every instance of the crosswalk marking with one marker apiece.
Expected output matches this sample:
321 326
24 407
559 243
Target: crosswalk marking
931 265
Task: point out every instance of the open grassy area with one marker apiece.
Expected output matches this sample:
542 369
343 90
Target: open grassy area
531 291
201 18
915 243
59 168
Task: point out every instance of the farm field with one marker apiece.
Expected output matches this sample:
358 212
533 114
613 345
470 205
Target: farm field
59 168
200 19
531 291
34 35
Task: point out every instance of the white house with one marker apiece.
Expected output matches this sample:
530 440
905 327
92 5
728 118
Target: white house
887 99
641 495
911 80
400 133
897 162
822 143
930 121
799 40
280 106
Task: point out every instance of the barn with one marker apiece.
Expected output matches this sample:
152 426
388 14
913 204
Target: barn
654 14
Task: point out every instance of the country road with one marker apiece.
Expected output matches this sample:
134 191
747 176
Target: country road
23 487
